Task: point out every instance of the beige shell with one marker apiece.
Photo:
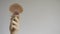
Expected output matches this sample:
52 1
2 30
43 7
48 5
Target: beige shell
15 6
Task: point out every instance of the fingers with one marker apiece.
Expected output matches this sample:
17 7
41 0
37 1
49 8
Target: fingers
14 23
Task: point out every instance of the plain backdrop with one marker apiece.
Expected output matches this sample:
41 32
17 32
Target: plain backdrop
38 17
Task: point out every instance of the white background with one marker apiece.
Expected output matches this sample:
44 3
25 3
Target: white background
39 16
